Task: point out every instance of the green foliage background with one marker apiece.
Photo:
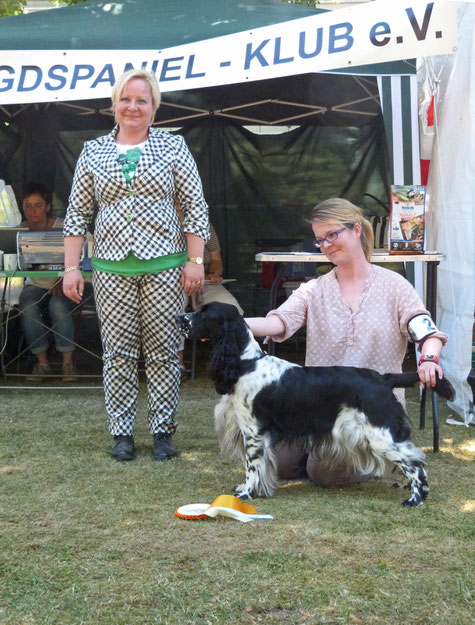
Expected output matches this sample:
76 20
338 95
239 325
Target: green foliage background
15 7
11 7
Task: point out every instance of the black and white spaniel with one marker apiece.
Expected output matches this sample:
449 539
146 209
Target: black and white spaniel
346 413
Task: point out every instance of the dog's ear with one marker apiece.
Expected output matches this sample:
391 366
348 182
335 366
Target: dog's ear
225 366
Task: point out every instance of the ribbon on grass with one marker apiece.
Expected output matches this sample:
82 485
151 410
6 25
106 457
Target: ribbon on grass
224 505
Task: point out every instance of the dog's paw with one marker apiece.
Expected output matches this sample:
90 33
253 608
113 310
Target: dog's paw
415 500
399 485
244 497
242 492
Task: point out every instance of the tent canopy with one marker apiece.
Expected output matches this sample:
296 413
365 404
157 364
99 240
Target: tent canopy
158 24
140 24
154 24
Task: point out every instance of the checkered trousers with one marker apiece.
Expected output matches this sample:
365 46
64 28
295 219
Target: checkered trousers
138 313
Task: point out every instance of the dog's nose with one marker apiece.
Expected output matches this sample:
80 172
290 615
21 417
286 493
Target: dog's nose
183 323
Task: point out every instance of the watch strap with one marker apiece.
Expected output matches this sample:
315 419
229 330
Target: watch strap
428 358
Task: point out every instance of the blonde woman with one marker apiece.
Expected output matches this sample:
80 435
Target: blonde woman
357 315
144 260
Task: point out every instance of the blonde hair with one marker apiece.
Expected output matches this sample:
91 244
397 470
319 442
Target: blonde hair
150 78
342 211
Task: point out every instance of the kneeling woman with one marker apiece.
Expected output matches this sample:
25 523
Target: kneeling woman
357 315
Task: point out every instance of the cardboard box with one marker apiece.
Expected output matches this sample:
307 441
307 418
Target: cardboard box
407 219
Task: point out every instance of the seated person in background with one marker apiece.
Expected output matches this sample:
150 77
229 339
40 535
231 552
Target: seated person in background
44 297
213 291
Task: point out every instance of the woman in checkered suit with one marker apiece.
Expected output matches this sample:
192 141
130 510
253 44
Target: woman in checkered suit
144 261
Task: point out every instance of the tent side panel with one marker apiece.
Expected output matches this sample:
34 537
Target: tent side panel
398 96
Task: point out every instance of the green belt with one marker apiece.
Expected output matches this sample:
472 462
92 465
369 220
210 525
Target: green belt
133 266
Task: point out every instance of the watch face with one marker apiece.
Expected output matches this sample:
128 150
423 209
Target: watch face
199 260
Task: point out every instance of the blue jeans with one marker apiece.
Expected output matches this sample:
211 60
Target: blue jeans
57 309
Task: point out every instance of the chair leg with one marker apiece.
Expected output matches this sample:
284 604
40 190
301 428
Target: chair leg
22 349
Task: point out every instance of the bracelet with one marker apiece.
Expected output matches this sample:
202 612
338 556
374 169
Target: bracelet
428 358
71 269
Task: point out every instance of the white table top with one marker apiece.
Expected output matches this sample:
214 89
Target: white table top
377 257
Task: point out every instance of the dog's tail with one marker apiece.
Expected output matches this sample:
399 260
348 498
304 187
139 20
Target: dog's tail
405 380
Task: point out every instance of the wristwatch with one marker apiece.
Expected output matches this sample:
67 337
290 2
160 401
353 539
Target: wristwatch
198 260
428 358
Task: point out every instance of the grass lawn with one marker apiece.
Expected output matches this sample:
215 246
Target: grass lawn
86 540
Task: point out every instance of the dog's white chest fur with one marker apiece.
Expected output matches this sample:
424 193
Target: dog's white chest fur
268 370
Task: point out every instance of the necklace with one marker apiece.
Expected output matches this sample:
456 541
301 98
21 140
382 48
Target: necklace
129 162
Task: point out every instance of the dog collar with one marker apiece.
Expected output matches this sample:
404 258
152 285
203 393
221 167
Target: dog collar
261 355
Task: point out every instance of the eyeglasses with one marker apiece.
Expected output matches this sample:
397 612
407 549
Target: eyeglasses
332 236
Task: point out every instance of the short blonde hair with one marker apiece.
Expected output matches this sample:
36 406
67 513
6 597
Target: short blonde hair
342 211
150 78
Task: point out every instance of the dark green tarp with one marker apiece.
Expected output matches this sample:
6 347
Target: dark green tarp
141 24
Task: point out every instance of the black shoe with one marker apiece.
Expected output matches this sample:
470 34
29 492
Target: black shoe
123 448
163 447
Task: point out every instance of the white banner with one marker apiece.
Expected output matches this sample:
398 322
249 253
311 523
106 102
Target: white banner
375 32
